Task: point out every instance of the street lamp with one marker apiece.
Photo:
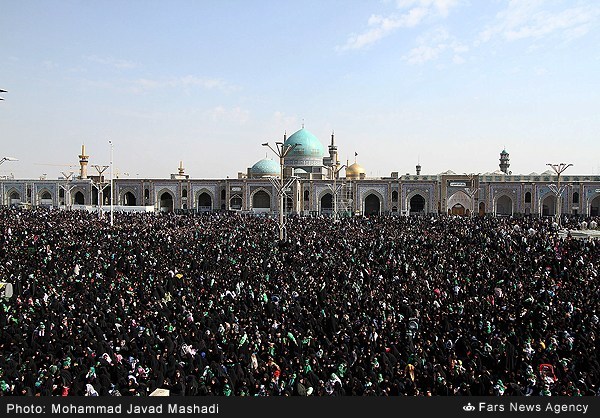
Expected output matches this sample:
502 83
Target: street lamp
111 184
335 189
100 186
282 150
68 177
557 189
472 190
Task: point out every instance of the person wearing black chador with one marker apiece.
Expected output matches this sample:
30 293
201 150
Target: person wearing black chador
215 305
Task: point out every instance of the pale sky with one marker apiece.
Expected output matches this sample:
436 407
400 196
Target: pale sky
448 83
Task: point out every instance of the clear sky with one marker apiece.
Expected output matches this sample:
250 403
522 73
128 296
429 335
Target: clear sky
449 83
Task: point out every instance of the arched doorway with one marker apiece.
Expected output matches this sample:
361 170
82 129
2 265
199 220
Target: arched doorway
166 202
504 206
457 209
46 198
14 198
549 206
129 199
261 201
327 203
458 203
235 203
106 196
204 202
417 204
79 199
372 205
481 208
595 206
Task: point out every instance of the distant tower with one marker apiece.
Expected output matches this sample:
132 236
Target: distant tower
83 162
181 169
418 167
333 156
504 161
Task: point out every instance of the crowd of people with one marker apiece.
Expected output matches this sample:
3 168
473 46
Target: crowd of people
217 305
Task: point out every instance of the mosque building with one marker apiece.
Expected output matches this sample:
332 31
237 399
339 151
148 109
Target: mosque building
321 185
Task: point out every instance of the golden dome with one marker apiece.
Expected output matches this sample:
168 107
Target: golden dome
355 171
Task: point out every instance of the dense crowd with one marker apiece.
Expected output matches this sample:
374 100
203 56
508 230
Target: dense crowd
216 305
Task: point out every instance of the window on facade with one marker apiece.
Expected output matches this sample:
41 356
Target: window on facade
576 197
223 194
306 195
528 197
394 196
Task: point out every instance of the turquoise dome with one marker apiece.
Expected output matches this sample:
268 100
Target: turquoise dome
265 167
308 152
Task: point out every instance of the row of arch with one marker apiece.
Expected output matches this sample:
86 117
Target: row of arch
261 201
504 205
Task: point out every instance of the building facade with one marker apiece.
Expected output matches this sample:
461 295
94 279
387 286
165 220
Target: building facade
319 188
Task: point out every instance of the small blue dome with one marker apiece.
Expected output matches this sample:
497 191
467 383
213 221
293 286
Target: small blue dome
265 167
308 145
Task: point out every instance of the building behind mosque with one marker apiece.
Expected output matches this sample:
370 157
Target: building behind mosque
320 184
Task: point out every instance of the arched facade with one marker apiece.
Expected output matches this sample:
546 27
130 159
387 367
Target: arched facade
261 200
372 204
166 200
236 202
504 205
326 203
78 197
204 200
417 203
45 197
459 203
128 197
13 197
501 194
548 205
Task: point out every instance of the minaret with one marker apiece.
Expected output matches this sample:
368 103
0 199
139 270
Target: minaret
418 167
504 161
181 169
83 162
333 156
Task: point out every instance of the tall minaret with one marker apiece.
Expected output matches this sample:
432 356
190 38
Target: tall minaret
181 169
83 162
333 156
418 167
504 161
